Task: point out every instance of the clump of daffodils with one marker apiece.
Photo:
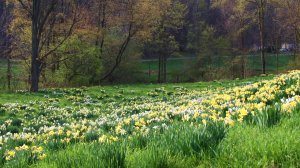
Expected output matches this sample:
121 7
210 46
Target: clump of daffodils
35 152
290 104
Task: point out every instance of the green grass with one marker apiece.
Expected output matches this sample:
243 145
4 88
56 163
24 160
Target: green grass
243 146
133 90
251 146
172 64
268 139
18 77
177 67
254 62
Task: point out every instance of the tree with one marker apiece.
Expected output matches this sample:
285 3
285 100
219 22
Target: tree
163 43
5 38
261 8
5 17
44 16
211 52
119 23
288 12
82 67
256 10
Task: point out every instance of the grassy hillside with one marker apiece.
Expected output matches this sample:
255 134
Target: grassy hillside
241 123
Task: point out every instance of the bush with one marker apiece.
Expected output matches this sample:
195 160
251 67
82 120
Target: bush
12 129
212 56
82 66
16 122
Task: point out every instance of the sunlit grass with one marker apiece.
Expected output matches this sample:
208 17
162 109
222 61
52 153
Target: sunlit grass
239 123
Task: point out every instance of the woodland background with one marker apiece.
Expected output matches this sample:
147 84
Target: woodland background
66 43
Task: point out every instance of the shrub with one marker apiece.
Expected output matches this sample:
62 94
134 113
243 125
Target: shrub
12 129
16 122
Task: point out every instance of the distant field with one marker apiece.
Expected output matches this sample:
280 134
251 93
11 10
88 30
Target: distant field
176 68
18 75
254 62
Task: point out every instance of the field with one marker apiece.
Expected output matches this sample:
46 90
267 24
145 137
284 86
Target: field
18 80
147 70
177 67
241 123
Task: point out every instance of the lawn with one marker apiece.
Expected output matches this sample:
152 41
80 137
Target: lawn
203 124
284 60
18 77
178 67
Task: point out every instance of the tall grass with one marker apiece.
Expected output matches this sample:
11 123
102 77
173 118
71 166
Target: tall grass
251 146
276 143
182 145
191 139
268 117
87 155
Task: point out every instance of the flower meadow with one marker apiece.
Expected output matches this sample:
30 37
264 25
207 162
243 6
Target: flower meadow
161 128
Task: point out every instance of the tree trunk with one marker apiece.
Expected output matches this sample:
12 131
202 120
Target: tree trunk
2 26
35 62
165 69
2 3
296 45
262 34
277 55
244 67
9 75
159 69
119 56
103 25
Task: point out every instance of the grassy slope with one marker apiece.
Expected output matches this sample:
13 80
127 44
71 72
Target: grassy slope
243 146
250 146
278 146
132 90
